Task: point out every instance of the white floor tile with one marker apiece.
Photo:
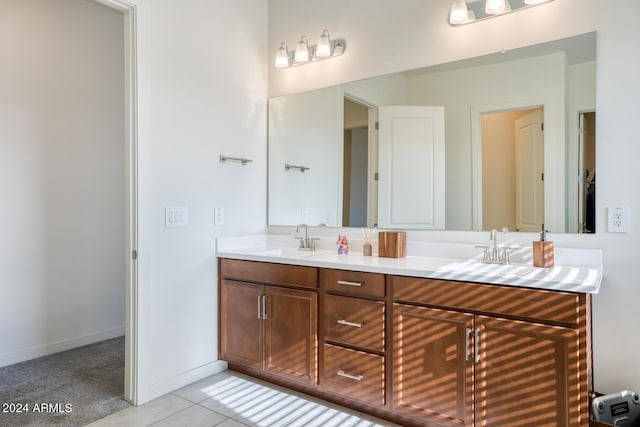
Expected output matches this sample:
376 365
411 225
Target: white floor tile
149 413
197 392
229 399
194 416
231 423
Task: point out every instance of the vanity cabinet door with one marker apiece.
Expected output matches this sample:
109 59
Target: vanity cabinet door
433 365
241 330
291 337
526 375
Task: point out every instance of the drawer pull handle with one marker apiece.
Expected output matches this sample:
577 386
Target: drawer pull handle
477 345
351 377
346 283
347 323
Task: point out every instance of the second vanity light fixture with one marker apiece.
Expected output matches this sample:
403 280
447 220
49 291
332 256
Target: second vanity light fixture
304 54
467 11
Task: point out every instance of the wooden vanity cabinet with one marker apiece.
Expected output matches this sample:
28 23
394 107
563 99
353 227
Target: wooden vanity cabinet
419 352
268 327
490 361
353 317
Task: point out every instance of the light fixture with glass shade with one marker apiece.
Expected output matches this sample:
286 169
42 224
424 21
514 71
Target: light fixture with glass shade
305 54
323 48
496 7
302 51
466 11
282 56
460 14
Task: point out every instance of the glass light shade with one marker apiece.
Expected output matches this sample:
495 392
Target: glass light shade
323 48
495 7
459 13
282 56
302 51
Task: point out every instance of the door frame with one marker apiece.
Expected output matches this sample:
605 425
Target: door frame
476 148
132 389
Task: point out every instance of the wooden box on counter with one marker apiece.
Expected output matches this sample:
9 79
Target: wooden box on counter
392 244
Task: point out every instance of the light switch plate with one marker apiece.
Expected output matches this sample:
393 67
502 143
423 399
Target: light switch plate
176 216
619 219
218 216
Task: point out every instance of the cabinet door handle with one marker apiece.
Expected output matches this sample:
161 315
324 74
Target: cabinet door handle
347 323
467 349
351 377
259 306
264 307
346 283
477 344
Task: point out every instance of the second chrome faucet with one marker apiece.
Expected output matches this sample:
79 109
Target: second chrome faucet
494 253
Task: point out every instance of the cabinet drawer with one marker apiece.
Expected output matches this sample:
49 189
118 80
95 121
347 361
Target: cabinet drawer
354 321
264 272
353 282
529 304
354 374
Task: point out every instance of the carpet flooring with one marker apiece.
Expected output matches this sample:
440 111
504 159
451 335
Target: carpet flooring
72 388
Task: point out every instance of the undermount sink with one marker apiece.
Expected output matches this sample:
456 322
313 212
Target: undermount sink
286 252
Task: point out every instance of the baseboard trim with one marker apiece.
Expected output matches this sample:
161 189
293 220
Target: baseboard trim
184 379
58 346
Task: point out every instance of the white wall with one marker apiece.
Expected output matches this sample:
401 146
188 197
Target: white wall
61 176
517 84
423 37
202 93
315 144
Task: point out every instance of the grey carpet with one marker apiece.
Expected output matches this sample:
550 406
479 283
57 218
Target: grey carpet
72 388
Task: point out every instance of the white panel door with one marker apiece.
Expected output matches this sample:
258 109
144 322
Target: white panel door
411 167
529 172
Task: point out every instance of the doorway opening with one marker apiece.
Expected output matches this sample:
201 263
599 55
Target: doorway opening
513 169
587 172
359 183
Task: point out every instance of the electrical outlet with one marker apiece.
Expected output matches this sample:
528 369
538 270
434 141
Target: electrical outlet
618 219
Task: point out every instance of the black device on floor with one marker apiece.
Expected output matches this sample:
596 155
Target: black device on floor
619 409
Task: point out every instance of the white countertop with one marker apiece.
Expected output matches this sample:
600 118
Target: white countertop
576 270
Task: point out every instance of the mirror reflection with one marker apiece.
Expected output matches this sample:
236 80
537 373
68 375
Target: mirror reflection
504 140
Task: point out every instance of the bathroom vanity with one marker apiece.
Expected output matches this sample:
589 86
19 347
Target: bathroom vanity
421 340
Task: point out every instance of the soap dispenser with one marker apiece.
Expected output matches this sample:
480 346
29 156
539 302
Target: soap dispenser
543 251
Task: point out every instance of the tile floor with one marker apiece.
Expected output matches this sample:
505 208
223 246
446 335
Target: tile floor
230 399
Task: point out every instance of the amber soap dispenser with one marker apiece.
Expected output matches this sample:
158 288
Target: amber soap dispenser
543 251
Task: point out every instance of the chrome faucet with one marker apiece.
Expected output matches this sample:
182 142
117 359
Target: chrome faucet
496 254
306 243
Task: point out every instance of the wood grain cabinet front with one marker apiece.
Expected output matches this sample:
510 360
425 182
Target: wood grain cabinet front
269 328
453 368
355 374
354 321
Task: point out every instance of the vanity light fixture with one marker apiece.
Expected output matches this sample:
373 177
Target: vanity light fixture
467 11
302 51
304 54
